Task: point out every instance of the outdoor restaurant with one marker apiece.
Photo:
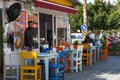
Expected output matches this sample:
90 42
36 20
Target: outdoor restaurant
53 54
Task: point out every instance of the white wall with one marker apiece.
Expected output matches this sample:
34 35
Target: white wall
1 3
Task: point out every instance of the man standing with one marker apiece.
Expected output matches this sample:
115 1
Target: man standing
28 37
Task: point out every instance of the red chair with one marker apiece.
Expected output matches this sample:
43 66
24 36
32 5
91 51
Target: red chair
104 52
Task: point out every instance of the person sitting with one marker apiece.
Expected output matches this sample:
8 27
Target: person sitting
88 40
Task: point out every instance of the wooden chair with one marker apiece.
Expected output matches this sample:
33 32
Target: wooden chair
104 52
67 68
67 44
57 69
78 58
11 64
59 48
30 71
86 54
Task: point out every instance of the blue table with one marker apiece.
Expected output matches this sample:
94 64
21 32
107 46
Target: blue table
46 57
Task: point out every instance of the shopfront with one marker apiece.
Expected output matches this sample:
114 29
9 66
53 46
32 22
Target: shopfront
52 25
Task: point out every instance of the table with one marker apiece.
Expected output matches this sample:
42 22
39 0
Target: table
99 47
46 57
91 49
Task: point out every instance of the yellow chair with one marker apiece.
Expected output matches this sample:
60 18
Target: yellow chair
86 54
29 71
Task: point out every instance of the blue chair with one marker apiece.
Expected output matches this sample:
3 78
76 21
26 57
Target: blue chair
46 50
57 69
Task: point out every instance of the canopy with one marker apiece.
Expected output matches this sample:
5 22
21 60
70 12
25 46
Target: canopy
53 6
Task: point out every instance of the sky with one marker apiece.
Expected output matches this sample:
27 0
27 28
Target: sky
88 1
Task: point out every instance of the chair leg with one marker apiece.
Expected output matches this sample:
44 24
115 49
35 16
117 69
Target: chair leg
36 74
87 60
76 67
17 73
81 67
5 73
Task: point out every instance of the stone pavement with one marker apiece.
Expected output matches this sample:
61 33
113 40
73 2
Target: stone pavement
109 70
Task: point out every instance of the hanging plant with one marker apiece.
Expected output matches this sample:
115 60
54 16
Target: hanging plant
1 41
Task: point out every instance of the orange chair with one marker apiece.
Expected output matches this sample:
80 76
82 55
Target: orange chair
86 54
67 45
104 52
59 48
29 71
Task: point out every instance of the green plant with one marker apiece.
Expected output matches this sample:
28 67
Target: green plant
1 41
115 46
75 42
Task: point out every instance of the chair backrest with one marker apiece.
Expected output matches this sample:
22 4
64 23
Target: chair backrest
11 58
85 48
106 45
71 47
58 48
62 55
28 55
46 50
79 52
67 44
46 46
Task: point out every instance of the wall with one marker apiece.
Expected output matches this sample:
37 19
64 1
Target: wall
1 3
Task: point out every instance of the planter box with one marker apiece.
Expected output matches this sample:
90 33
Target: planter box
114 53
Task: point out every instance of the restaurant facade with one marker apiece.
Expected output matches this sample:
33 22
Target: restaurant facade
51 19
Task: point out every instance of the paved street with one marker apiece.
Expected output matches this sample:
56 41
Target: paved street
109 70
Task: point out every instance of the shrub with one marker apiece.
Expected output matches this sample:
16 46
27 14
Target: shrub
115 46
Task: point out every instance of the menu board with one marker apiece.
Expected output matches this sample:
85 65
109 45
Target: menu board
19 28
15 32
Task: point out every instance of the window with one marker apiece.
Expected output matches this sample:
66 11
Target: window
61 30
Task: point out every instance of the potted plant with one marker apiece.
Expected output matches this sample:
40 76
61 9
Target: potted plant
75 44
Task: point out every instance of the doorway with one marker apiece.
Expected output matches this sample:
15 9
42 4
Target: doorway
46 34
1 43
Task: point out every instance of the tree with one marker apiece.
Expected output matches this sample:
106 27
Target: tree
76 20
97 15
85 12
113 19
100 15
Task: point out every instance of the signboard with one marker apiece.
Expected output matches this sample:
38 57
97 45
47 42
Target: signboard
83 27
84 30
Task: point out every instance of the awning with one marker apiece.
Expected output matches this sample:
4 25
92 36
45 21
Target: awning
53 6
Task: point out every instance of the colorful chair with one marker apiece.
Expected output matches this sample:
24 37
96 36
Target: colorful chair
78 58
57 69
104 53
67 44
29 71
59 48
46 50
11 64
67 68
86 54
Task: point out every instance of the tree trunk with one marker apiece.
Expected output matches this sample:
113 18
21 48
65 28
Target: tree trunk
85 12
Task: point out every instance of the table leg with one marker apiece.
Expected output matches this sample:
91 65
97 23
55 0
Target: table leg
46 69
95 55
90 56
71 57
98 52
